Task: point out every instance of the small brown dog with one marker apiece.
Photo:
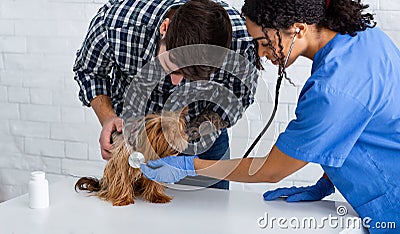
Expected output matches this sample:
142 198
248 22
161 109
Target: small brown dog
163 135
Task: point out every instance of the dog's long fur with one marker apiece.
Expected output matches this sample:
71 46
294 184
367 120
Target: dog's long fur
162 136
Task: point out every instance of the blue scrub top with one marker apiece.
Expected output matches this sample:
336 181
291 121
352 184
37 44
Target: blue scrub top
348 120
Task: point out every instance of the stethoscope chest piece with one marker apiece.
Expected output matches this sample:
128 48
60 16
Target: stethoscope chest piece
136 159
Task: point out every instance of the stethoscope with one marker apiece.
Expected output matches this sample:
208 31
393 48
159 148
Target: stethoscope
278 84
137 158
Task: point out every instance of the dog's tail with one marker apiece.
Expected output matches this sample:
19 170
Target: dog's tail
90 184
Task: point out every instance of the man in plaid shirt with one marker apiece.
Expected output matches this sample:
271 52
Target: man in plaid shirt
126 34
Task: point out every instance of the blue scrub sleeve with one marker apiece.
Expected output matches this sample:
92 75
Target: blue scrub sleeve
328 123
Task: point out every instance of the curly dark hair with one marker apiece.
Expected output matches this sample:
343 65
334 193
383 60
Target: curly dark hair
342 16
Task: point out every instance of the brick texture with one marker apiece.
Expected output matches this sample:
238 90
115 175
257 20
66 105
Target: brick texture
45 127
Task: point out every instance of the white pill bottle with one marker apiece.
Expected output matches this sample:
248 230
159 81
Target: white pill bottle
38 190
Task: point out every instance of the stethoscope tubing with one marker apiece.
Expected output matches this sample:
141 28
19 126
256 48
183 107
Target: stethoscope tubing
278 84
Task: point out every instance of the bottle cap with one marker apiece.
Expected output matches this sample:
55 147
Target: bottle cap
38 175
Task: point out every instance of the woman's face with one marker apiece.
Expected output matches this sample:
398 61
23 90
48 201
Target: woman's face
265 50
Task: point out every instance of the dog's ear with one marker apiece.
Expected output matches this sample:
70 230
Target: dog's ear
184 112
118 175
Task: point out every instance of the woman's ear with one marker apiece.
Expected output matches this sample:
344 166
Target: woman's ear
164 26
300 29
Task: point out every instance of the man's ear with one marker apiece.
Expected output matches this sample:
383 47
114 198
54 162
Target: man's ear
164 26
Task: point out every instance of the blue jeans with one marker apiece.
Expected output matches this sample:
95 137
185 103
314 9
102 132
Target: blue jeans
219 150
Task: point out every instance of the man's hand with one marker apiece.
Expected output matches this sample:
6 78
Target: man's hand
109 121
110 126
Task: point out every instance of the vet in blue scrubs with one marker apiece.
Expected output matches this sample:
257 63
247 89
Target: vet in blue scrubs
348 120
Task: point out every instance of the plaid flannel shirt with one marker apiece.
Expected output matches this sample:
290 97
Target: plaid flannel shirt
123 37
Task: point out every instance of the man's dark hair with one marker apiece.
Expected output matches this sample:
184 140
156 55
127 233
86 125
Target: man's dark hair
198 22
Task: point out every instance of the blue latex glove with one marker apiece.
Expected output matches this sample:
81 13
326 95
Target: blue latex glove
170 169
316 192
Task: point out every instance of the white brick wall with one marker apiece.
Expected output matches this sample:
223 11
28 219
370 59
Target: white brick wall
43 125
